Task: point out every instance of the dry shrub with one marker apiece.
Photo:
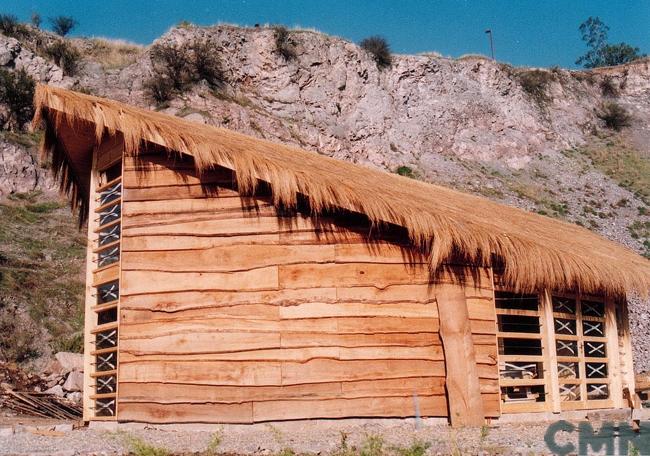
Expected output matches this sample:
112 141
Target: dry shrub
65 55
615 116
284 45
535 83
17 93
177 66
607 87
18 334
379 48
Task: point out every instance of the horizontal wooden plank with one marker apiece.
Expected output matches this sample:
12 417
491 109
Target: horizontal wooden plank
144 178
204 373
309 339
336 325
134 354
248 311
185 413
212 226
172 192
187 300
175 242
339 408
139 282
194 206
358 309
199 342
352 274
327 370
378 252
106 274
226 258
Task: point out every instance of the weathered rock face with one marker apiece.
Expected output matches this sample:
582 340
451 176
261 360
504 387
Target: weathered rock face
20 171
14 55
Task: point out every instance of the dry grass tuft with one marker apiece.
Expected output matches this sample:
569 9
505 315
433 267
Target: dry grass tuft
113 54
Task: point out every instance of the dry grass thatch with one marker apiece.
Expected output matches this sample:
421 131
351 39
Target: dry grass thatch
537 252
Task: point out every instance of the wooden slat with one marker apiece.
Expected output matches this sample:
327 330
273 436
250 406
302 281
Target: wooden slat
105 274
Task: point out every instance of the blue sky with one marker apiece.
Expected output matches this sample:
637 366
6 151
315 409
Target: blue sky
526 32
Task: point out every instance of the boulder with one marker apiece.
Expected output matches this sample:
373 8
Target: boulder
75 397
74 382
56 390
54 368
70 361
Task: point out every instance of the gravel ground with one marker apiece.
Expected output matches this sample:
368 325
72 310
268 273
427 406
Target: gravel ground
315 437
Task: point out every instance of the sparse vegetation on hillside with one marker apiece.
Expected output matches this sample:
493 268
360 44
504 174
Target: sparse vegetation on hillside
535 83
615 116
379 48
594 33
607 87
622 163
17 93
177 66
65 55
42 256
283 42
112 54
62 25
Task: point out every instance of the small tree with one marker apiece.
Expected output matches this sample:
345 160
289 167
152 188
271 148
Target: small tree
594 33
379 48
36 20
17 93
62 25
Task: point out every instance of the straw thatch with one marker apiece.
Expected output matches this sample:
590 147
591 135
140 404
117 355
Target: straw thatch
537 252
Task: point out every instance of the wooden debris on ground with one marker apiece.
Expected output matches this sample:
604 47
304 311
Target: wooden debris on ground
39 404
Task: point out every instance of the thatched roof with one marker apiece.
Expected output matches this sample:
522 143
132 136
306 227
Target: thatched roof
537 252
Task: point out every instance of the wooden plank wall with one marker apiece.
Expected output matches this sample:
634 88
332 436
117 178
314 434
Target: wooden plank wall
232 313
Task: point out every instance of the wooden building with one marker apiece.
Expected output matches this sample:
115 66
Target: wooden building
234 280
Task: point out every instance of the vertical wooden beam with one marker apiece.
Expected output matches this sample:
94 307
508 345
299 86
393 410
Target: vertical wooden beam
549 348
582 365
462 382
626 357
90 317
613 356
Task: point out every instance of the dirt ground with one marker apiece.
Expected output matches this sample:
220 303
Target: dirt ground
367 437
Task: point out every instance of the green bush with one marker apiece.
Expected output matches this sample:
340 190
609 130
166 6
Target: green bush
615 116
283 43
62 25
405 171
17 93
379 48
64 55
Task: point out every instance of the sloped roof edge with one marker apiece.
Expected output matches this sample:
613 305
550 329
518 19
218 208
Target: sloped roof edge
538 252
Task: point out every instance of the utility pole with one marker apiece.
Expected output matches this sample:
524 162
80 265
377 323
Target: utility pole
489 32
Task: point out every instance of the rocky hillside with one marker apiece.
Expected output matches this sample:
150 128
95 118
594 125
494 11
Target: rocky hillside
534 138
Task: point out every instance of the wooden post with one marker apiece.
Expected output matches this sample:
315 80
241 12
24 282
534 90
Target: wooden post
613 355
462 381
90 317
549 349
